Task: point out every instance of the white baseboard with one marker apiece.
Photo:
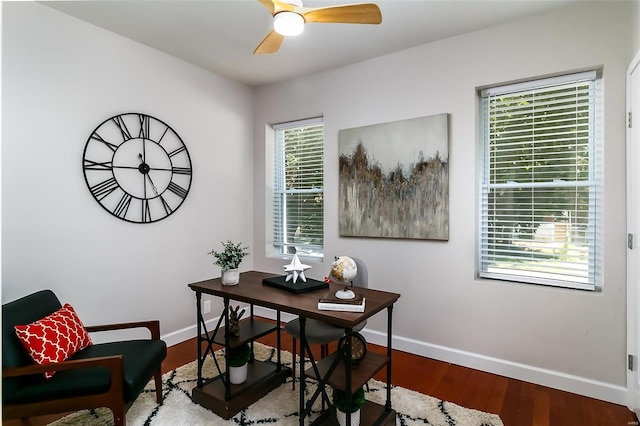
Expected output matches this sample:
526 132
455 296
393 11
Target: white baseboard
186 333
553 379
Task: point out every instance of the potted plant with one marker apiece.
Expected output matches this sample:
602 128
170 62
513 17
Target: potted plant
339 398
229 259
238 359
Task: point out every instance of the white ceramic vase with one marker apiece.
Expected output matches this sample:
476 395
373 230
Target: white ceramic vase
230 276
238 375
342 418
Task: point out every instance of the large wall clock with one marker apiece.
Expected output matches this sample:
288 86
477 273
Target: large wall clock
137 167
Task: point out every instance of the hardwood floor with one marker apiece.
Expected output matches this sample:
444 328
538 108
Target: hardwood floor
517 403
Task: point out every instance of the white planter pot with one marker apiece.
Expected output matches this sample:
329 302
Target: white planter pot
230 276
238 375
342 418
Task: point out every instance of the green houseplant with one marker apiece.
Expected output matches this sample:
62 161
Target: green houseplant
339 399
229 259
238 358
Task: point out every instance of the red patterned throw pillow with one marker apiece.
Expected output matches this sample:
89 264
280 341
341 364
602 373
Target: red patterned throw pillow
55 337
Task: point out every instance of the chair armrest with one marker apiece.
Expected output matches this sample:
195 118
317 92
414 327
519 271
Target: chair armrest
115 364
153 326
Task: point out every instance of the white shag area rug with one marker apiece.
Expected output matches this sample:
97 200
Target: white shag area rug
279 407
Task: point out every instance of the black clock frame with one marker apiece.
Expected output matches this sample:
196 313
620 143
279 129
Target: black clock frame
116 139
355 360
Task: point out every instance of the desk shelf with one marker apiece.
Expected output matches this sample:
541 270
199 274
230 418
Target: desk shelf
368 367
226 399
370 414
250 329
262 378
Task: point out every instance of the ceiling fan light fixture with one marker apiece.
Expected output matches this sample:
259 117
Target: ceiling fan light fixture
288 23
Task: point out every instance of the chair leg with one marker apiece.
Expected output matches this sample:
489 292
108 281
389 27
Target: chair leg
158 380
119 418
293 364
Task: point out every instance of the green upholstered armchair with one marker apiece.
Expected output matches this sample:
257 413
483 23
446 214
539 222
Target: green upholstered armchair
108 375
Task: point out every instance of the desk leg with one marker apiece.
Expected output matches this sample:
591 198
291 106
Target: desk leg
303 341
347 363
306 405
279 363
199 331
227 374
389 353
251 344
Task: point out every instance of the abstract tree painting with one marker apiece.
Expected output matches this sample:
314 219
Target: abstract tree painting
394 179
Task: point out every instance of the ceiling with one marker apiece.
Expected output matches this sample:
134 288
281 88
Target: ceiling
220 35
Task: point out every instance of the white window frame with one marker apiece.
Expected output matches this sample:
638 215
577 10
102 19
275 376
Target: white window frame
285 246
497 262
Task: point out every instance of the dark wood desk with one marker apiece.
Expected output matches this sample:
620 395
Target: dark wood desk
330 370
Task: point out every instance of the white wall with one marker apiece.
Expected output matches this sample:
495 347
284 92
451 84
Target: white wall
61 78
564 338
635 16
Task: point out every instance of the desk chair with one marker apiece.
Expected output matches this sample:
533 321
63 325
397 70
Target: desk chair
318 332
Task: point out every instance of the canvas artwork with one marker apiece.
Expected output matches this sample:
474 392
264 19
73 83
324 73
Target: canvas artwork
394 179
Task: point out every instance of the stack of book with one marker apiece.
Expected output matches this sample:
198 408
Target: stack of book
330 302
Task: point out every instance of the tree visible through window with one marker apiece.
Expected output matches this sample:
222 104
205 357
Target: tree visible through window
540 182
299 187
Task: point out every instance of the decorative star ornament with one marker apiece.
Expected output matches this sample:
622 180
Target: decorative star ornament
296 269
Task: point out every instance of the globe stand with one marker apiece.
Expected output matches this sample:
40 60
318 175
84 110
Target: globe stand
346 293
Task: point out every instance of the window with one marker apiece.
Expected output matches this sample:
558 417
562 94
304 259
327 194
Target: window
298 204
540 191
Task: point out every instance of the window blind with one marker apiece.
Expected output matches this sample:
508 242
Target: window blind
298 203
540 191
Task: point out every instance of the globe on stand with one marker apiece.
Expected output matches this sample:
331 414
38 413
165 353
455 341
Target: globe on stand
344 271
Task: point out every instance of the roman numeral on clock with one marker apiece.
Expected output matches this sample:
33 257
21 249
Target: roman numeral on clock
177 189
177 151
122 126
162 137
167 208
146 211
181 170
104 188
123 206
94 165
97 137
144 126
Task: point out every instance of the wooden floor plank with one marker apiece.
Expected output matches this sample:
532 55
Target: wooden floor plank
497 394
541 407
557 407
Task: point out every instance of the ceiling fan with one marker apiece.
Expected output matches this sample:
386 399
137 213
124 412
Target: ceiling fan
289 17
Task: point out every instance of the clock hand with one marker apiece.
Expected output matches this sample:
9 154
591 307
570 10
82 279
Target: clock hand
152 185
144 169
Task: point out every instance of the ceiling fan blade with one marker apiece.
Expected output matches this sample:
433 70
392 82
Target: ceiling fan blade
277 6
269 5
270 44
364 13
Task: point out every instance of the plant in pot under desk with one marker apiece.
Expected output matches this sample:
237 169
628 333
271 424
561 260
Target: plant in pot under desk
339 399
238 358
229 259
